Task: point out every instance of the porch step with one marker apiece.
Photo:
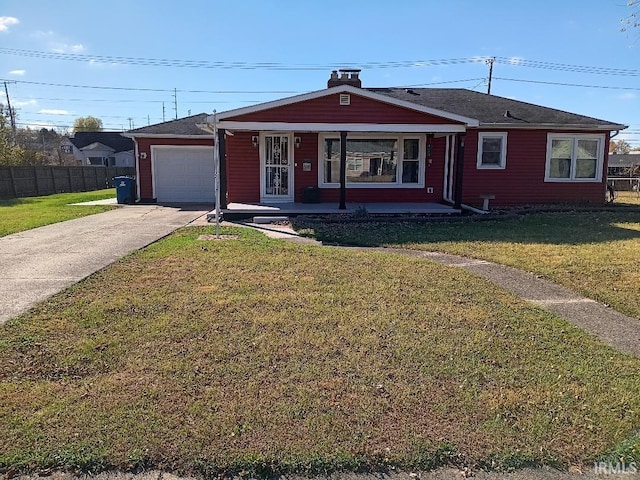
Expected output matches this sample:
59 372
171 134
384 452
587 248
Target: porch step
270 219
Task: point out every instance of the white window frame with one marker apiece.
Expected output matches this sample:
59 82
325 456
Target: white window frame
503 150
574 137
400 138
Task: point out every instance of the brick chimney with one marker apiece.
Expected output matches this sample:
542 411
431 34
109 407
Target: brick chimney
345 77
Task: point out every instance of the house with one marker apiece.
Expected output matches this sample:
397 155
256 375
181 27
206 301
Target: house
103 149
624 164
348 144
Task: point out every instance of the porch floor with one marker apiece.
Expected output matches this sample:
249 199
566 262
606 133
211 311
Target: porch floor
276 209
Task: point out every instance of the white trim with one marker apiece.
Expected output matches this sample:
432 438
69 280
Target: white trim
503 150
552 126
347 89
445 185
600 138
154 148
349 127
399 166
264 198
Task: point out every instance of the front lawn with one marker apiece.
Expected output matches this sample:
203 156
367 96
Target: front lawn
258 356
596 254
19 214
628 198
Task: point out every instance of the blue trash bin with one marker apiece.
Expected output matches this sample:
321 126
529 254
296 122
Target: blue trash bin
125 189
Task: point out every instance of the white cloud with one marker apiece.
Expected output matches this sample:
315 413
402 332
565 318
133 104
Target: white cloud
479 59
59 47
96 64
54 111
627 96
39 125
17 72
6 22
24 103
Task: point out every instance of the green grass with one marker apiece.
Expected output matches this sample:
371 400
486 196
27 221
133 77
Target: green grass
595 254
19 214
255 355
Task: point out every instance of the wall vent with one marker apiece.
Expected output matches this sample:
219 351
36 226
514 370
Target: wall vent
345 99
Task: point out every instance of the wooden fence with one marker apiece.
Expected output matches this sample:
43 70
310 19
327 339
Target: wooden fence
47 180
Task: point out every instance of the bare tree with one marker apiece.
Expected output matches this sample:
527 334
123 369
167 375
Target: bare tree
619 146
633 19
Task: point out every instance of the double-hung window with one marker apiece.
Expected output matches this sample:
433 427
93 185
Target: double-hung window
492 150
374 160
574 157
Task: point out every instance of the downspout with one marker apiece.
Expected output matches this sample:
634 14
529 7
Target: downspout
135 154
459 171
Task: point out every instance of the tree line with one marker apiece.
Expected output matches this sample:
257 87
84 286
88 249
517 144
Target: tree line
33 146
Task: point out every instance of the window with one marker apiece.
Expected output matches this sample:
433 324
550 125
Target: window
411 161
96 161
492 150
373 161
574 158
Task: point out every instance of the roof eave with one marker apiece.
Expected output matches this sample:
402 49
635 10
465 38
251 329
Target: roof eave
162 135
554 126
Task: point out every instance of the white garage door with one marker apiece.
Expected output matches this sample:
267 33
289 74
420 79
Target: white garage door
184 174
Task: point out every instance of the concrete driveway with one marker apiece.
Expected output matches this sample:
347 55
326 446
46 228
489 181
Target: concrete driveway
37 263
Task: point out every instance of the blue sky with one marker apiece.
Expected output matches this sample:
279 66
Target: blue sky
64 43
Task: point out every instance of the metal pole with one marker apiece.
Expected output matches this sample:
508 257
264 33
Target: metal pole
216 170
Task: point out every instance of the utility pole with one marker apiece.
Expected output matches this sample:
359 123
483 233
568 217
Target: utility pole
12 115
163 110
175 101
490 62
148 119
130 123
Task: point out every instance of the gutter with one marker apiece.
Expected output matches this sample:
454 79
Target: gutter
135 154
473 209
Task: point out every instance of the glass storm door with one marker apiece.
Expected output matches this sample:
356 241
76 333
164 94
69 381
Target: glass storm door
277 169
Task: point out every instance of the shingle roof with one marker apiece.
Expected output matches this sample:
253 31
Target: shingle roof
114 140
488 109
623 159
181 126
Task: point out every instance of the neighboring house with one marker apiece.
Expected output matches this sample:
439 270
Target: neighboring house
361 145
624 164
102 149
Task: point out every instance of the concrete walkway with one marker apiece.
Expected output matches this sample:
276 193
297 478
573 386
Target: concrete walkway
37 263
611 327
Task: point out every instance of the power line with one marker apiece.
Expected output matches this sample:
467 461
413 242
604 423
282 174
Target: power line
166 62
521 62
139 89
565 84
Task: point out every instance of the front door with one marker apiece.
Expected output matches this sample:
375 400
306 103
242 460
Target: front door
276 168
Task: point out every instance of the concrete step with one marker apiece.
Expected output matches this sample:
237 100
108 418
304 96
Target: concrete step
265 219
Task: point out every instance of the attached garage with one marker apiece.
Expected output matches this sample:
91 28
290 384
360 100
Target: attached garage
183 174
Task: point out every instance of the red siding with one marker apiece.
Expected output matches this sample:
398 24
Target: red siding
328 110
522 181
145 174
307 152
243 168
